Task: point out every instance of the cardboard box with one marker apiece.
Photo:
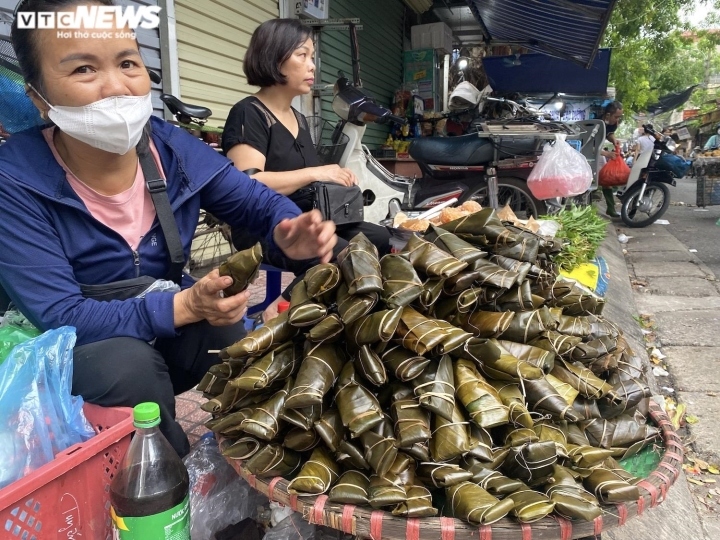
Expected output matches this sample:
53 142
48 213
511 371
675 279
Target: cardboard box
432 36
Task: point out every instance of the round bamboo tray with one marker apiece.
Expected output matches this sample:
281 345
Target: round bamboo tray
377 524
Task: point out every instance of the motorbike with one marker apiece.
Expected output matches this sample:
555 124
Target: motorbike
646 196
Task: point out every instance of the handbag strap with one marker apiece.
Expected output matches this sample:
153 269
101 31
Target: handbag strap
157 187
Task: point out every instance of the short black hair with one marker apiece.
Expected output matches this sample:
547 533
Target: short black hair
613 107
24 40
270 45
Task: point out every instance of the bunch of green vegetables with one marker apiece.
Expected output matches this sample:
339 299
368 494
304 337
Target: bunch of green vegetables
582 230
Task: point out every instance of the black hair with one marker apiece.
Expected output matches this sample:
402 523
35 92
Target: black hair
270 45
613 107
24 40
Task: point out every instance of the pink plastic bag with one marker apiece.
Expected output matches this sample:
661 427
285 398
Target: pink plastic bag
561 171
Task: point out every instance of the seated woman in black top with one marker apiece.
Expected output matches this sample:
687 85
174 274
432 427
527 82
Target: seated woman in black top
265 133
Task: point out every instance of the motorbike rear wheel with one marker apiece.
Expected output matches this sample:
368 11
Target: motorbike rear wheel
512 191
653 205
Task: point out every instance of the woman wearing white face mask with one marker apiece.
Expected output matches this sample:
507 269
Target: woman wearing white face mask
79 222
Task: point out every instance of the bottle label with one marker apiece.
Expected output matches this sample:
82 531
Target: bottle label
173 524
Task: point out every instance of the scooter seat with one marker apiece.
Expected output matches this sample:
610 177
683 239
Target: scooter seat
469 149
462 150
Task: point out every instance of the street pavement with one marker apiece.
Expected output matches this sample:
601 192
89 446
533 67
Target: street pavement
656 281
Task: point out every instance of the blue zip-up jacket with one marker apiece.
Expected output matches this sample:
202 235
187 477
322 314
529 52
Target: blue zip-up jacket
50 243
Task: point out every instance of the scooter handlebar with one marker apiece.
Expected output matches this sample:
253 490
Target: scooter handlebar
392 118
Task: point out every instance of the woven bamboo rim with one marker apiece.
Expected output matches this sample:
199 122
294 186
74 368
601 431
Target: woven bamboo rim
377 524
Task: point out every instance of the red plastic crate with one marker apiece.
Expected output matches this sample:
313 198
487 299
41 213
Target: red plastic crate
69 498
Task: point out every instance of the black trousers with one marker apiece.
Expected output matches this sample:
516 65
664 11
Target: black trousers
377 234
125 371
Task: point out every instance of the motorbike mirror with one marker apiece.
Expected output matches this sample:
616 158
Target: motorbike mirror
671 145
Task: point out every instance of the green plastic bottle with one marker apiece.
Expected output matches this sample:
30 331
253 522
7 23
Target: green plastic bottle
149 494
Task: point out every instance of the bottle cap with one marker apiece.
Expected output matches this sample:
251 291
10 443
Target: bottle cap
146 414
283 305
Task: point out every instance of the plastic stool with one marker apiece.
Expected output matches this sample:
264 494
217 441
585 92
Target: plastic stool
273 284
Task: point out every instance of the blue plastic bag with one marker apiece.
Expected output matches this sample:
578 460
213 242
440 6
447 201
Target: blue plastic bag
38 416
673 163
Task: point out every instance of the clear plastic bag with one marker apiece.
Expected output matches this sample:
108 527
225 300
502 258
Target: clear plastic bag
218 496
39 416
561 171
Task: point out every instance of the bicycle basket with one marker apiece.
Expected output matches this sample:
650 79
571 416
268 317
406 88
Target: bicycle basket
17 111
328 144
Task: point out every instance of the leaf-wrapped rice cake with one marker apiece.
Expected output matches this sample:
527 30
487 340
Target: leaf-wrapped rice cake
543 359
572 500
242 448
454 338
543 397
380 451
609 487
450 438
401 283
318 371
351 457
531 463
330 329
472 503
301 440
321 279
583 380
330 429
412 422
432 290
431 260
527 325
353 306
519 298
360 266
456 246
316 475
508 368
351 488
273 333
418 503
264 423
303 311
495 483
556 342
435 388
480 399
490 274
521 268
368 363
442 474
482 228
243 267
418 333
273 460
530 505
277 364
303 418
486 324
385 491
379 326
359 408
513 399
406 365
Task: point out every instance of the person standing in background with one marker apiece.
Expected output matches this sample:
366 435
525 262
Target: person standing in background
612 116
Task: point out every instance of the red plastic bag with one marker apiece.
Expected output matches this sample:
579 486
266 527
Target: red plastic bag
615 172
561 171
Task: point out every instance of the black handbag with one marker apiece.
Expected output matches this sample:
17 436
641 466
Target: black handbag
341 204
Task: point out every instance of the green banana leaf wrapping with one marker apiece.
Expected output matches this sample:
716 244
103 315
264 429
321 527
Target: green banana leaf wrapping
273 333
531 463
330 329
480 350
456 246
303 311
379 326
583 380
620 432
587 408
321 279
574 326
351 457
242 448
544 398
472 503
527 325
401 283
454 338
243 267
380 451
479 398
211 385
404 468
481 444
264 423
301 440
317 373
353 306
491 274
482 228
360 266
330 429
535 356
442 474
303 418
474 464
549 430
419 451
418 333
450 438
233 398
519 298
629 391
385 491
530 505
553 341
431 260
513 399
447 307
277 364
368 363
359 408
406 365
609 487
495 483
417 505
435 388
460 281
602 327
351 488
585 352
576 435
508 368
525 250
432 289
412 422
572 501
229 425
486 324
213 382
518 436
586 456
316 475
273 460
520 267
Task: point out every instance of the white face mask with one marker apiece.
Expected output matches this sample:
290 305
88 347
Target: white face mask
113 124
